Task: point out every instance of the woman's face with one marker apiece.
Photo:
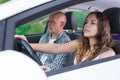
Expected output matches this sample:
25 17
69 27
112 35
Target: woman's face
90 27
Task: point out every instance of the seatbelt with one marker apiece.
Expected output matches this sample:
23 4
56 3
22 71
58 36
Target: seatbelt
103 50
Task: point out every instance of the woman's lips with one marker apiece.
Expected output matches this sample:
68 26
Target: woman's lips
86 30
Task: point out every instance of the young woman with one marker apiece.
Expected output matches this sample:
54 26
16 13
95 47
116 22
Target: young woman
95 43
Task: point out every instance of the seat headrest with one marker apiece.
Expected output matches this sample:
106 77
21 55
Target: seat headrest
70 21
113 15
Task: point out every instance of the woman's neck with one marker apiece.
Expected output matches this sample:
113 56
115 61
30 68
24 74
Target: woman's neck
92 42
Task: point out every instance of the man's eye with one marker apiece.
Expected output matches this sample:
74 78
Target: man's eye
85 22
50 21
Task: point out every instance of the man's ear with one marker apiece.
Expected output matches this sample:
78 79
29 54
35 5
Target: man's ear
62 24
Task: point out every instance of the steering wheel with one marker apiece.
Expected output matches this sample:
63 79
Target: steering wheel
23 46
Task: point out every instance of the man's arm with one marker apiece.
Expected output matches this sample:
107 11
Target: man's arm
57 63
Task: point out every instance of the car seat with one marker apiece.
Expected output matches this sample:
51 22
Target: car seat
113 15
71 26
71 30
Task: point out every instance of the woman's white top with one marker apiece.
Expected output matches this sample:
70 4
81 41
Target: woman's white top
96 58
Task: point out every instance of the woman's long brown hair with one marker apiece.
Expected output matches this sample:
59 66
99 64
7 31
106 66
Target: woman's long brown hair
103 38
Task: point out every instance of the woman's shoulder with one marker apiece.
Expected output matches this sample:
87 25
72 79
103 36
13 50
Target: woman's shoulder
108 53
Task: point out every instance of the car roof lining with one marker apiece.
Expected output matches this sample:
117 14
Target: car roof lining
96 5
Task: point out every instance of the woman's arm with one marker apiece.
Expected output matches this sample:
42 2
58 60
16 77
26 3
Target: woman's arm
53 48
56 48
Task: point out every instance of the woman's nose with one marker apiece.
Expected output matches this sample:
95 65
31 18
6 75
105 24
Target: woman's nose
87 24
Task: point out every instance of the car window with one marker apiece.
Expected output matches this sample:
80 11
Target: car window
3 1
38 26
34 27
80 16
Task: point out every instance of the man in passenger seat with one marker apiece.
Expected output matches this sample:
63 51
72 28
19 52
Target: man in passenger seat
54 34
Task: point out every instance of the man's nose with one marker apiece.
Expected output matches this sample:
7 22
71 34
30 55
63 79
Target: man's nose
49 23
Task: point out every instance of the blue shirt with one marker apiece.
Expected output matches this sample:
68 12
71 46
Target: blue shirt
54 61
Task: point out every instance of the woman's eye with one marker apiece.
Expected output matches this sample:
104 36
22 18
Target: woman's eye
93 23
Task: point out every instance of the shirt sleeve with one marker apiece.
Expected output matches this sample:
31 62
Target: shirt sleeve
57 63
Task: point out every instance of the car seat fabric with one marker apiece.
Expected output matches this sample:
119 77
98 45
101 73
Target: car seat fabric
113 15
116 47
71 23
71 26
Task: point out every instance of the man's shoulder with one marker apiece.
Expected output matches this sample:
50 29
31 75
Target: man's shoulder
64 38
45 35
44 38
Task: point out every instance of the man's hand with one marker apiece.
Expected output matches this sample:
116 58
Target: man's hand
21 37
45 68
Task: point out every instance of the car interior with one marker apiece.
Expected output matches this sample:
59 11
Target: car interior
113 15
70 29
73 32
71 26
